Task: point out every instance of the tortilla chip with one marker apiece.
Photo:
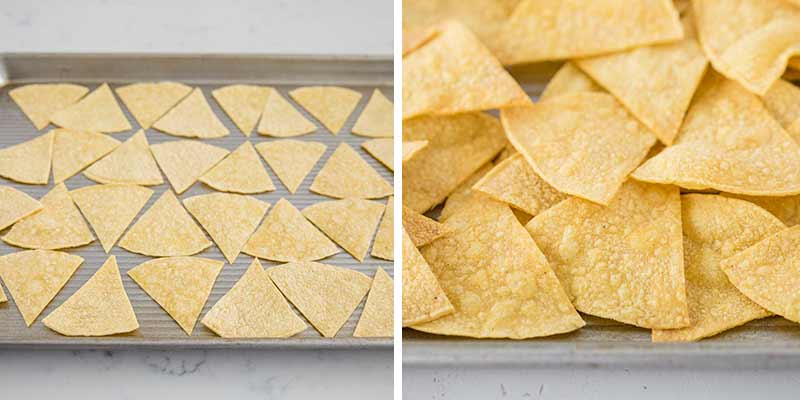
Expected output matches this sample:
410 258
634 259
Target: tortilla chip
193 118
463 194
28 162
150 101
346 174
99 308
624 261
412 147
97 112
330 105
281 119
382 150
15 205
457 147
34 278
240 172
416 38
569 79
230 219
786 209
244 104
454 73
794 63
783 103
348 222
3 298
185 161
58 225
714 228
130 163
165 230
423 297
180 285
73 151
39 102
253 308
110 209
291 160
377 318
421 229
377 118
728 142
324 294
285 236
383 247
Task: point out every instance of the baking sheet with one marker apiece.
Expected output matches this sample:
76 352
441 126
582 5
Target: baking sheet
208 72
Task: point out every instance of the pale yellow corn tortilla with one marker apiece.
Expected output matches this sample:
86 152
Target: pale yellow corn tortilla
97 112
782 101
149 101
346 174
40 101
130 163
423 297
383 246
15 205
28 162
377 118
74 150
110 209
240 172
351 223
280 119
421 229
569 79
184 161
244 104
382 150
291 160
786 208
193 118
377 318
330 105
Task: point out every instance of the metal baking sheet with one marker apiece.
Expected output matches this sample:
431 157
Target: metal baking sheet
207 72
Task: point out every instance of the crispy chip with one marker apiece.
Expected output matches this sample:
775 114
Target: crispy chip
34 278
99 308
184 161
346 174
421 229
412 147
28 162
463 193
240 172
348 222
416 38
423 297
165 230
253 308
324 294
382 150
330 105
110 209
40 102
244 104
291 160
569 79
230 219
73 151
383 247
783 102
377 118
97 112
786 209
130 163
180 285
192 117
150 101
281 119
377 319
15 205
285 235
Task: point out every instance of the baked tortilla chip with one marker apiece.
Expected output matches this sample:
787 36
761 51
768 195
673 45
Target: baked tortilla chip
383 247
180 285
463 194
377 318
349 222
330 105
324 294
412 147
291 160
569 79
99 308
110 209
382 150
346 174
253 308
28 162
377 118
786 209
240 172
34 278
421 229
97 112
244 104
423 297
151 100
39 102
15 205
73 151
193 118
783 103
130 163
185 161
416 38
280 119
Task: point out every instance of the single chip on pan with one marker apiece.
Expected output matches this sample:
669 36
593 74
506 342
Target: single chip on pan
193 118
240 172
28 162
377 118
281 119
110 209
377 319
383 246
291 160
348 222
149 101
382 150
330 105
97 112
346 174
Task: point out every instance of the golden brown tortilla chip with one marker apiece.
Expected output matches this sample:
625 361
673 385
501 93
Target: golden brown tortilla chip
15 205
423 297
349 222
783 102
463 193
151 100
786 209
193 118
377 118
330 105
279 118
184 161
73 151
569 79
240 172
291 160
383 247
28 162
377 319
382 150
110 209
39 102
244 104
130 163
412 147
421 229
416 38
346 174
97 112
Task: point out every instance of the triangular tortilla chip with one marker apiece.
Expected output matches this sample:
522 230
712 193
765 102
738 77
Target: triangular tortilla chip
58 225
291 160
15 205
110 209
421 229
349 222
184 161
714 228
230 219
74 151
97 112
39 102
324 294
454 73
423 297
728 142
569 79
281 119
382 150
623 261
330 105
412 147
99 308
377 318
151 100
240 172
783 102
180 285
786 209
165 230
463 194
346 174
285 235
414 38
244 104
34 278
130 163
28 162
193 118
383 247
253 308
377 118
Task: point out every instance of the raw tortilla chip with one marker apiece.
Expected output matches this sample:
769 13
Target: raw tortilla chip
463 193
240 172
130 163
291 160
192 117
377 319
728 142
285 235
184 161
324 294
39 102
97 112
15 205
377 118
783 102
165 230
151 100
28 162
253 308
457 147
330 105
583 144
58 225
34 278
383 247
714 228
230 219
412 147
423 297
348 222
99 308
454 73
623 261
244 104
497 279
281 119
382 150
75 150
180 285
786 209
569 79
346 174
110 209
421 229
